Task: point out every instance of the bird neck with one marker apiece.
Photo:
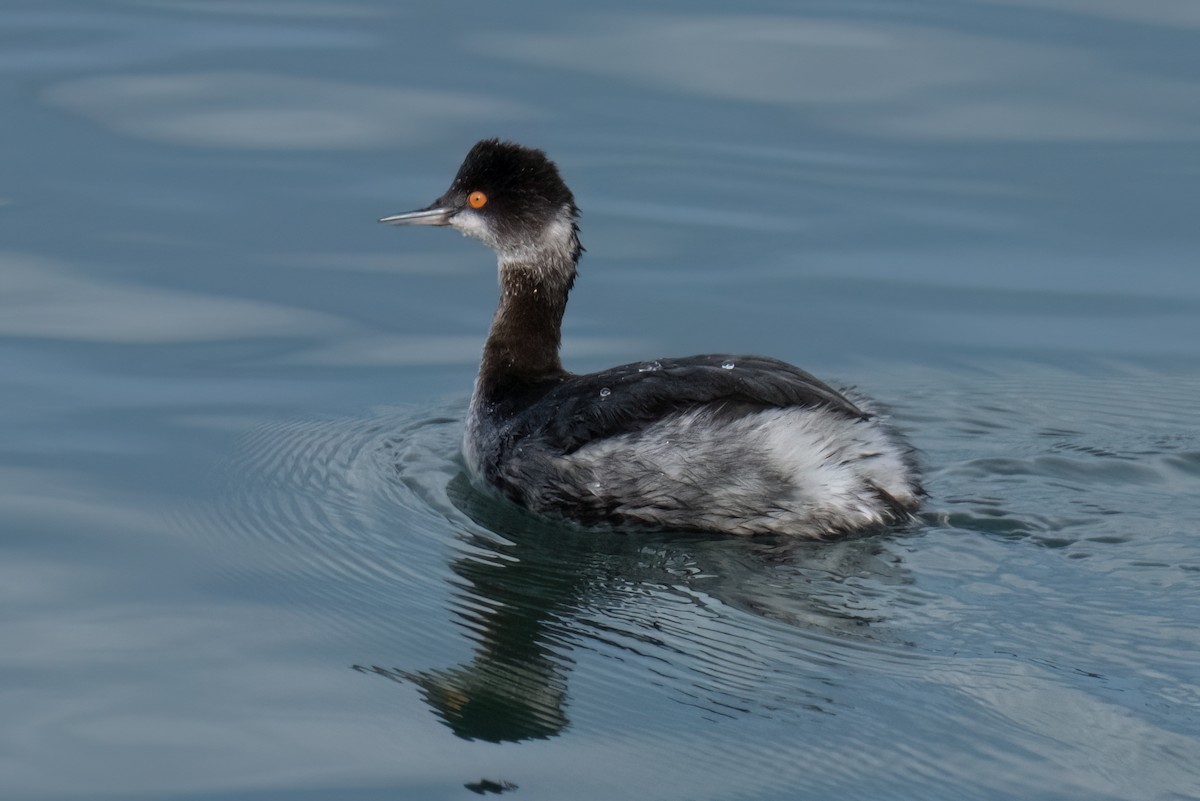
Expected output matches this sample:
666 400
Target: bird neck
526 332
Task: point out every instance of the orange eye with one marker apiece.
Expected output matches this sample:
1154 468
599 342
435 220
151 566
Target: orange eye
476 200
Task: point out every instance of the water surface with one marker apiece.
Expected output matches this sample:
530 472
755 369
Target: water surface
239 560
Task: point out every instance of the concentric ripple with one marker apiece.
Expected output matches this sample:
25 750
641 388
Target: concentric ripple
371 522
341 514
1034 582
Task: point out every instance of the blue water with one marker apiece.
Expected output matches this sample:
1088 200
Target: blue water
239 560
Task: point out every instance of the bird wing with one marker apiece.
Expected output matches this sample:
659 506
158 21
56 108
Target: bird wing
584 408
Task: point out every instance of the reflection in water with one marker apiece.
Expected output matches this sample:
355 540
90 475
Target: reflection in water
527 598
515 686
971 193
484 786
761 663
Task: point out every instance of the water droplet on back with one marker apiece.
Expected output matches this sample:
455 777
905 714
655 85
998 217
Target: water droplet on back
728 364
649 367
605 392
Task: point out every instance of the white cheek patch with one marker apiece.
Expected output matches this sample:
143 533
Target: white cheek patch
470 223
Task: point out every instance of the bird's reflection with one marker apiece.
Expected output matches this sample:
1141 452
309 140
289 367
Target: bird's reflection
530 589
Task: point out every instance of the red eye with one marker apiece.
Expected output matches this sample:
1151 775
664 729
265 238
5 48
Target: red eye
476 200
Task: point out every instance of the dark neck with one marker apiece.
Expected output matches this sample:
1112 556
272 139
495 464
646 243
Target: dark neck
522 347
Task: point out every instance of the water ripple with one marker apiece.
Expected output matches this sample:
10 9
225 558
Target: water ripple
511 628
372 524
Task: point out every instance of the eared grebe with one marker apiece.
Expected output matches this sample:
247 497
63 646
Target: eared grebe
734 444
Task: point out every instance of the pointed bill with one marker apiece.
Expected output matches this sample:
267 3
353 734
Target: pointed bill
436 215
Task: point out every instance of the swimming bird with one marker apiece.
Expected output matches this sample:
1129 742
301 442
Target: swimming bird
718 443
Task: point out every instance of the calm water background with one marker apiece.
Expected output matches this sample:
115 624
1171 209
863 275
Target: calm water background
238 560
